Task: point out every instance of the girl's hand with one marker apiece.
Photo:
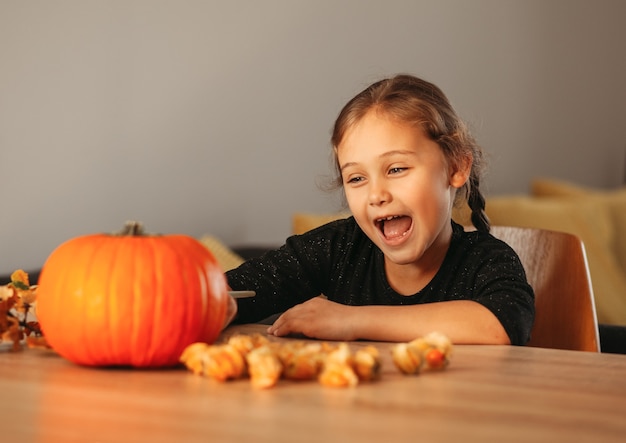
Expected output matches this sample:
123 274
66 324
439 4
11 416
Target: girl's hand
316 318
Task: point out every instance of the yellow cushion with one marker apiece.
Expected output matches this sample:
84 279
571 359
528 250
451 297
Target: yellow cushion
590 220
615 202
226 258
302 222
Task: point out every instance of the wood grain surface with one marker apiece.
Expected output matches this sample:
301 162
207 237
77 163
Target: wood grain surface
488 393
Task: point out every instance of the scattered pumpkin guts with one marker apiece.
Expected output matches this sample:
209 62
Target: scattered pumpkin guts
265 362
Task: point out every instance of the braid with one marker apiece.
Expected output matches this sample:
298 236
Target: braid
476 202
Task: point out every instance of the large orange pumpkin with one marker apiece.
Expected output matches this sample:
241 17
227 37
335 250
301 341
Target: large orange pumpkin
130 299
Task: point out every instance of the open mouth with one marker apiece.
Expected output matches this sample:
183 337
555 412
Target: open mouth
394 226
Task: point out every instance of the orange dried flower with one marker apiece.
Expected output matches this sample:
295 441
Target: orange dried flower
16 300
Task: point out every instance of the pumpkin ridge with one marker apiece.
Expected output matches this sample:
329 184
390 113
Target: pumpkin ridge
189 285
98 281
114 328
135 302
144 301
161 285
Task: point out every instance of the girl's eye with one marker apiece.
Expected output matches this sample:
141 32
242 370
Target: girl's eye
354 180
397 170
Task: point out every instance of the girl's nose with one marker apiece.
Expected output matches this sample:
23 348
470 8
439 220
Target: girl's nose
378 194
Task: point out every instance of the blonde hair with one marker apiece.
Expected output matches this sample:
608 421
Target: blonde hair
418 102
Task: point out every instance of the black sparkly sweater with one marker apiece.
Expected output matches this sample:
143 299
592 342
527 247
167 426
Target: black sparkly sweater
341 262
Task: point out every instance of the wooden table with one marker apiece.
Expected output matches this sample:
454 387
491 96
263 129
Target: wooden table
488 393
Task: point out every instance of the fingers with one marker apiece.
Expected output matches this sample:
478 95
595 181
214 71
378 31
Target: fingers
279 327
292 321
309 318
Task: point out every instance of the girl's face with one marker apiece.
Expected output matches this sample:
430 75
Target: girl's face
400 189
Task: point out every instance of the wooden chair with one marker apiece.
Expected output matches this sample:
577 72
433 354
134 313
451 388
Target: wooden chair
556 267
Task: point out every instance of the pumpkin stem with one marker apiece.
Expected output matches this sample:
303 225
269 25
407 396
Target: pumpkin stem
132 228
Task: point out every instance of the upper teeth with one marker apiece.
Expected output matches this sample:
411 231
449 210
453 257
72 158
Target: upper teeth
388 218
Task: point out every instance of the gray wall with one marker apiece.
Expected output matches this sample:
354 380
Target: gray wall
213 116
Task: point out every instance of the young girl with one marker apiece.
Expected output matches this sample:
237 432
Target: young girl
399 267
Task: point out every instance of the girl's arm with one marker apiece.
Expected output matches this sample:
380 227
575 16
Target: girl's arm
463 321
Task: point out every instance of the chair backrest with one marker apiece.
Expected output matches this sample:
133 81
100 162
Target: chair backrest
556 267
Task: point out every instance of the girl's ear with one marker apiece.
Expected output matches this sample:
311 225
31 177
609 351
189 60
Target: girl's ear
460 172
